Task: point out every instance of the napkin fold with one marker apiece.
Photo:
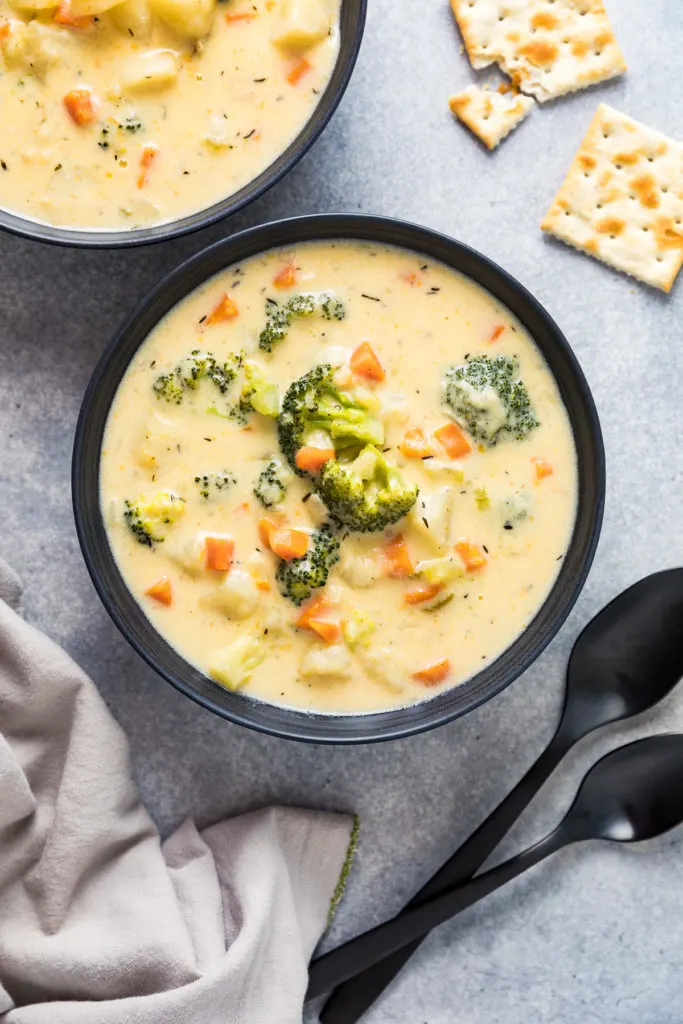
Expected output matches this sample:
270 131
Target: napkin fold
101 922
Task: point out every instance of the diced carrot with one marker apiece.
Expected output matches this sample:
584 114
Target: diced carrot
415 445
315 608
453 440
496 333
79 106
543 468
412 278
63 16
286 276
265 528
396 558
471 554
288 543
262 584
421 592
329 630
147 158
316 616
225 309
311 459
162 591
364 363
245 16
433 674
218 552
4 30
301 68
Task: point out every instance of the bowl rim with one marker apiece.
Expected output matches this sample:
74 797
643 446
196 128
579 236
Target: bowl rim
353 16
292 723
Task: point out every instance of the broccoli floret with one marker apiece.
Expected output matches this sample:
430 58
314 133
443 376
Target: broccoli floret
223 375
195 367
279 316
299 577
257 394
211 482
262 394
487 397
271 486
332 309
169 387
146 517
367 493
313 403
357 628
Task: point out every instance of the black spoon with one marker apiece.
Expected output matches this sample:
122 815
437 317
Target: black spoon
624 662
631 794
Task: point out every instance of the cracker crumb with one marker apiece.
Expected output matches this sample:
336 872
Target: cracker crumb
490 116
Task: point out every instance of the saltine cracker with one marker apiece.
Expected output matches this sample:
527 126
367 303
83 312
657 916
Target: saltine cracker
622 200
548 47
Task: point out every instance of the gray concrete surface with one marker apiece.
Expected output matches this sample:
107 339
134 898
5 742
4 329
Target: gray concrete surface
596 935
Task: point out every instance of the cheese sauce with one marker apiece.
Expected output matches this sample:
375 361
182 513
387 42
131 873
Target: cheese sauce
406 612
147 112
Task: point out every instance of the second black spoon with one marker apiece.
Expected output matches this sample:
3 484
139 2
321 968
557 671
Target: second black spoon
632 794
627 659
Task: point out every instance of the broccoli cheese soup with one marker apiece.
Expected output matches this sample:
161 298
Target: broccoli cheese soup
120 114
339 478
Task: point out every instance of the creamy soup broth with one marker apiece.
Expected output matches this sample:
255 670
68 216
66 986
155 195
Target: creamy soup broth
499 517
146 112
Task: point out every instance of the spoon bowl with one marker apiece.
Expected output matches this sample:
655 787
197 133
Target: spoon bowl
628 658
633 794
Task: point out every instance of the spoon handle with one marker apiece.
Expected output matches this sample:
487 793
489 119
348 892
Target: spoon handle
369 948
349 1002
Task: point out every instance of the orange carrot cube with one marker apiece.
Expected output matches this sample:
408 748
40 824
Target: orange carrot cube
225 309
162 591
433 674
453 440
80 107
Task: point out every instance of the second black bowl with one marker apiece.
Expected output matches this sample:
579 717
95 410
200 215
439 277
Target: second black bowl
351 26
288 722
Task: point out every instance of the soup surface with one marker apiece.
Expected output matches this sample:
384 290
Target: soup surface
124 115
391 374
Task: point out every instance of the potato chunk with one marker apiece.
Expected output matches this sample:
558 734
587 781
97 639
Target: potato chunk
432 516
190 18
45 46
303 23
331 664
237 596
150 71
133 18
13 45
233 666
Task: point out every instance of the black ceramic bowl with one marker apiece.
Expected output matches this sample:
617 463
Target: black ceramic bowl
286 722
352 23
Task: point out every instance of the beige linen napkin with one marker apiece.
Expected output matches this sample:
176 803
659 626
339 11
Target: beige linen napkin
101 923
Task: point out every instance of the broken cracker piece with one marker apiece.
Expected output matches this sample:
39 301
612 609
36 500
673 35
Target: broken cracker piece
622 200
547 47
491 116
